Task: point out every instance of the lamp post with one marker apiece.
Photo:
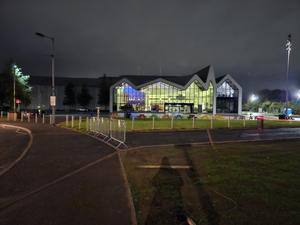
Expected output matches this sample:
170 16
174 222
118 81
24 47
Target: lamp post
52 97
288 49
14 86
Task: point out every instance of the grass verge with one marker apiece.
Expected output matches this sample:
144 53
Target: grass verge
235 184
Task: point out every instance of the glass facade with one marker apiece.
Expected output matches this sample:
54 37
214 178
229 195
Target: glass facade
227 98
162 97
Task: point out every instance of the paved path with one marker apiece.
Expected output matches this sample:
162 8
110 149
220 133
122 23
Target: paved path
135 139
12 143
54 185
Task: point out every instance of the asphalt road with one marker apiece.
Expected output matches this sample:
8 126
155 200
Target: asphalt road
12 143
66 178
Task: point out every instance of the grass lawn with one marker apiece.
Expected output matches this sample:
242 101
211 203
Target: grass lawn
242 183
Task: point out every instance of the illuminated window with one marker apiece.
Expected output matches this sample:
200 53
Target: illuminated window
160 97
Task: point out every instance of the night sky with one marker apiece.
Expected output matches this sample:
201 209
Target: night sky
243 38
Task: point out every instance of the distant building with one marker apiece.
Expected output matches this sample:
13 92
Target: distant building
200 92
41 90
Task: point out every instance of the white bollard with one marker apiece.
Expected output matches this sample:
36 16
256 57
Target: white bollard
22 116
193 122
153 122
244 122
72 121
79 123
7 117
211 122
132 123
98 124
87 124
67 120
172 122
43 120
35 118
228 122
1 114
15 116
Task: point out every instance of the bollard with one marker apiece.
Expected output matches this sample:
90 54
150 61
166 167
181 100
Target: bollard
211 122
172 122
28 117
7 117
79 123
153 123
98 124
1 114
67 120
43 118
193 122
124 125
228 122
244 122
132 123
15 116
87 124
72 121
22 117
35 118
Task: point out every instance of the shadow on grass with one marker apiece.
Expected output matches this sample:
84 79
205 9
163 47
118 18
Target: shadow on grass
212 216
167 205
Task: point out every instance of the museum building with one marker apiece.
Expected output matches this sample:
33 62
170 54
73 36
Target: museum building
200 92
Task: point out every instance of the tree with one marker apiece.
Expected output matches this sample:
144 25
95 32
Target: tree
23 90
84 97
103 94
70 97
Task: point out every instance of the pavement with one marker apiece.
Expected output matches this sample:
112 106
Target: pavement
12 143
135 139
65 178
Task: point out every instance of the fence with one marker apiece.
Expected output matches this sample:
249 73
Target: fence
206 122
203 122
109 129
25 117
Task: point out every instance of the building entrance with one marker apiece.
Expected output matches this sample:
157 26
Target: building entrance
179 107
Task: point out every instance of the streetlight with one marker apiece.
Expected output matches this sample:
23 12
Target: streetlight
288 46
253 98
52 97
298 94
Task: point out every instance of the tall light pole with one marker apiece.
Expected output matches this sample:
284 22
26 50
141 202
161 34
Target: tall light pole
52 97
288 49
14 85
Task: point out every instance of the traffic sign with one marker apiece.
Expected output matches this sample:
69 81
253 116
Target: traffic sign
52 100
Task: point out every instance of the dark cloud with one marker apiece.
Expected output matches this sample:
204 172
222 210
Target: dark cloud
244 38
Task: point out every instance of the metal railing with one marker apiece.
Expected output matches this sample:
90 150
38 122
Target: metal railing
107 128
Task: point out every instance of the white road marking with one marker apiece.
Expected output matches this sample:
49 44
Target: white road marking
163 167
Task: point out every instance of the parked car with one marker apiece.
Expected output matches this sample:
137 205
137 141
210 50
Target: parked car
141 116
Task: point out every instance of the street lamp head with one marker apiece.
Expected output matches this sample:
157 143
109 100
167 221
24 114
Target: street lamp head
298 94
40 34
253 98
